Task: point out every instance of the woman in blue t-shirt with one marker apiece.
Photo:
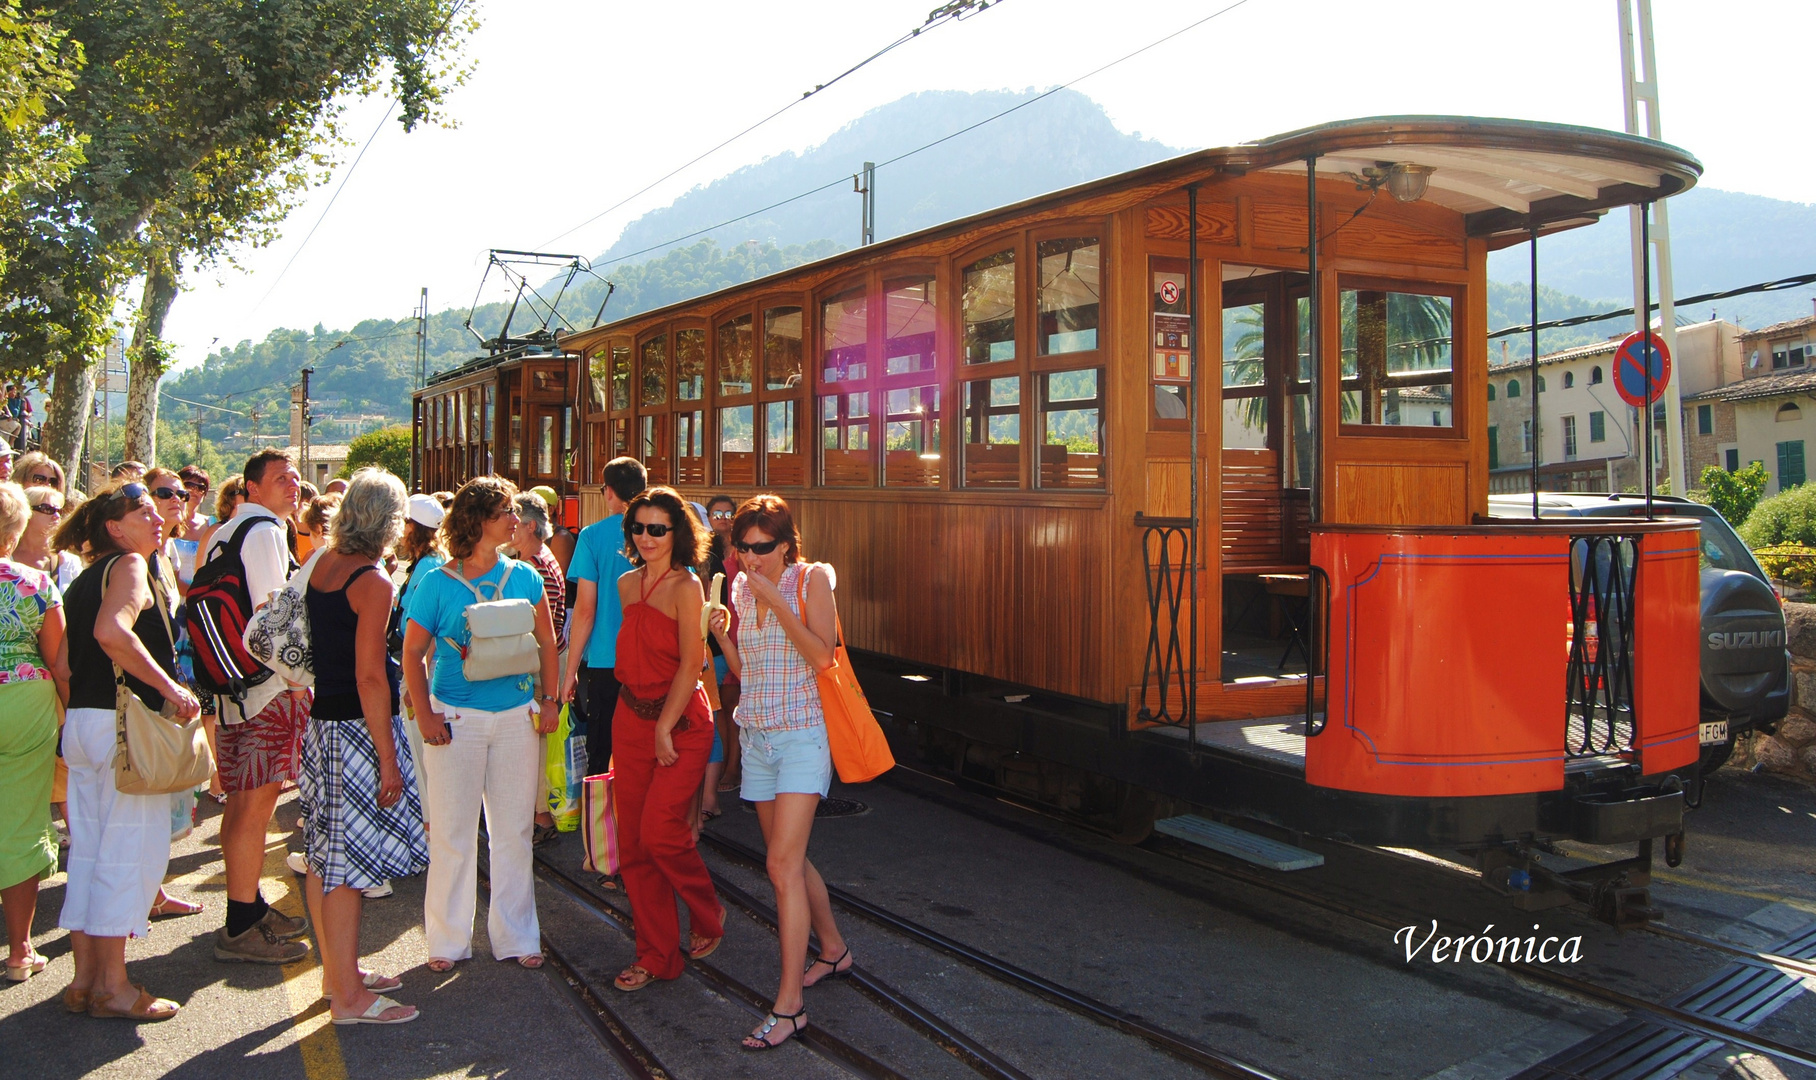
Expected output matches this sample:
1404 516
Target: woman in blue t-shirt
482 740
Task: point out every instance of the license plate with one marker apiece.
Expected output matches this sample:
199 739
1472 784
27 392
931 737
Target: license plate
1710 734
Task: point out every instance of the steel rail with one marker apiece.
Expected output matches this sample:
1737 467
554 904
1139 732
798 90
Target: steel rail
813 1037
1667 1015
948 1038
1179 1046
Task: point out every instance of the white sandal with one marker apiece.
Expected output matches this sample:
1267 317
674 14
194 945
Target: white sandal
381 1004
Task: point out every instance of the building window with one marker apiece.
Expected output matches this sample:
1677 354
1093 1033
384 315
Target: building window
1513 388
1789 413
1494 446
1790 464
1595 375
1730 459
1525 436
1705 419
1396 350
1785 354
1541 384
1569 438
1598 426
1490 391
1569 379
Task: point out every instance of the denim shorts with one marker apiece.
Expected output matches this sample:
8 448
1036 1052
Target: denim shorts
785 762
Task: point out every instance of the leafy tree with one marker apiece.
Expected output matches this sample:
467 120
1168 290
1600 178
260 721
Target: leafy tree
1734 494
1788 517
202 118
38 63
387 448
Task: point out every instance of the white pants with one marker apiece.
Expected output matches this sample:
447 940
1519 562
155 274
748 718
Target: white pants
119 845
492 759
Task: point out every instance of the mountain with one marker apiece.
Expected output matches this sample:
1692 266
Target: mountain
363 375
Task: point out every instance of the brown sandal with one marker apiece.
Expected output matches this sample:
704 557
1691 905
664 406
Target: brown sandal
635 977
144 1007
74 1000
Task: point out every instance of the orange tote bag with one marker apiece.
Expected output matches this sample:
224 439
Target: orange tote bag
859 750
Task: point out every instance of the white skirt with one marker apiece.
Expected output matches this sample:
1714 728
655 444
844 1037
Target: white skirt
119 845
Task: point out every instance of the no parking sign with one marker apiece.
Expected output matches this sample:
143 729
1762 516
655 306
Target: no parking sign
1638 352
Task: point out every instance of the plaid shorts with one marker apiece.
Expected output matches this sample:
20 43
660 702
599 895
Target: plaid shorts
265 749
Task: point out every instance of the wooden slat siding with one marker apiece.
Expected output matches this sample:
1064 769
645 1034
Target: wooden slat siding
786 470
905 468
1396 493
1227 701
854 468
1011 592
1254 515
738 468
992 466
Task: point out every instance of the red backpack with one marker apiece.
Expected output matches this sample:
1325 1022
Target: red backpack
215 614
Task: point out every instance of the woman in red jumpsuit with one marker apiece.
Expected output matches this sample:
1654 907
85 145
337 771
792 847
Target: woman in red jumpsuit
662 734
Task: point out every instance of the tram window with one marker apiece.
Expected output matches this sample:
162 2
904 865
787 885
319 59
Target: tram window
1071 417
516 439
655 370
1245 377
690 365
599 380
909 324
738 444
690 446
621 377
992 419
845 337
488 417
545 445
1396 358
652 446
783 462
1068 296
989 308
845 456
911 437
736 356
781 348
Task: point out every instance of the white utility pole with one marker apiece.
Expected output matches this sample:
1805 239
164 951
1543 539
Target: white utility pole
1639 77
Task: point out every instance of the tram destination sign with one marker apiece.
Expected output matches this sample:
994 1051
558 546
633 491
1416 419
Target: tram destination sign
1636 353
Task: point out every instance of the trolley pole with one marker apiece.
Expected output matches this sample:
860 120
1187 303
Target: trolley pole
864 184
422 337
198 432
1639 77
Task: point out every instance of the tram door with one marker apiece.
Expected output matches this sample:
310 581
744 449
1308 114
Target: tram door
1264 480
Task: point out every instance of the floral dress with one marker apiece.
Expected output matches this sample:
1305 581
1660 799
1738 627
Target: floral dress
28 725
25 595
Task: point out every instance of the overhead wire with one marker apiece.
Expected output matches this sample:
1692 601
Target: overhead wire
950 12
1775 285
936 142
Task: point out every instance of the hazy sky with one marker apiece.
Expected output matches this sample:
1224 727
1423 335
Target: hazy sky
574 104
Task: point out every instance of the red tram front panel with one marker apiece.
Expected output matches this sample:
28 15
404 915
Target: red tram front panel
1448 657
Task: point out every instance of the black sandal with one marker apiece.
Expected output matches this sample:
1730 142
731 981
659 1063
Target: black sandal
758 1040
833 964
544 834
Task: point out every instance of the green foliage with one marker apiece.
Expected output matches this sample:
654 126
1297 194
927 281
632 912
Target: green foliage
1788 517
1794 564
387 448
1733 494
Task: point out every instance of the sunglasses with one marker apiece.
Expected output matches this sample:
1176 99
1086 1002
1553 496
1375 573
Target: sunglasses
49 509
656 532
199 489
133 490
721 515
171 493
763 548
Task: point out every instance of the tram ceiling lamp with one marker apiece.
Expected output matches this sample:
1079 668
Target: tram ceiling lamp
1403 180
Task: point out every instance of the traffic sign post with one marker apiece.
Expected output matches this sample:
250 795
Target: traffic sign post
1638 355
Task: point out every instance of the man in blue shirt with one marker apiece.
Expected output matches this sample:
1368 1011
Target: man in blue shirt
593 624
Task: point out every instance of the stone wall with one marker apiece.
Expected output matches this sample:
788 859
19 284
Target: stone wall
1791 751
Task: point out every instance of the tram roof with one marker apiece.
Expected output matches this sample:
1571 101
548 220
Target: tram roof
1504 176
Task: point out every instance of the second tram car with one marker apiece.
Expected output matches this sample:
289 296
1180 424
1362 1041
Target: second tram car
1169 490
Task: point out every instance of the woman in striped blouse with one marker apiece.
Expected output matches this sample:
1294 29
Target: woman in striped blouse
787 628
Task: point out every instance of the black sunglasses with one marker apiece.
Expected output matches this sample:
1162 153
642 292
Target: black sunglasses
763 548
48 508
171 493
656 532
131 490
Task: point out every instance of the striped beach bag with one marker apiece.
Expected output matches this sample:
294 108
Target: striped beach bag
599 824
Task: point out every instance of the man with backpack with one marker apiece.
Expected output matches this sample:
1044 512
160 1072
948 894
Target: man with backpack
261 716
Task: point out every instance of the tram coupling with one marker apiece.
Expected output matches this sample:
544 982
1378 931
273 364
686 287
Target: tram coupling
1617 893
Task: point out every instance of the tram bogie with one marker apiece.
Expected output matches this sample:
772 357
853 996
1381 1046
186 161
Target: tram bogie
1177 479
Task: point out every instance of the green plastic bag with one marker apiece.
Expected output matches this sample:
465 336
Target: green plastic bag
564 800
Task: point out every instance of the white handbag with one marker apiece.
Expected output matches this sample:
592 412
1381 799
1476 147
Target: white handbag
277 635
503 633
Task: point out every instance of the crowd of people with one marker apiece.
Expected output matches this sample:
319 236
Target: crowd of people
422 712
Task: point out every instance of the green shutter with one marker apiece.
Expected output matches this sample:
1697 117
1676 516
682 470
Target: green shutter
1790 464
1494 447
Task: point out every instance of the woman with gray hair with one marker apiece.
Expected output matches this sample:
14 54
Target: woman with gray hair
363 823
530 539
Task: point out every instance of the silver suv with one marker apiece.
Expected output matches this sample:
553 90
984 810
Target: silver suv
1746 669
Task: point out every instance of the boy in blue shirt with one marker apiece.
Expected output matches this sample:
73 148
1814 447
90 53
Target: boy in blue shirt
593 624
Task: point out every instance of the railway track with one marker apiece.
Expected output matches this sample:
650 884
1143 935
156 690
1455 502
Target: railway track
1681 1015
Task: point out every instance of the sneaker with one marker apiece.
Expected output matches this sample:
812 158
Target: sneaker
377 892
286 928
259 945
297 864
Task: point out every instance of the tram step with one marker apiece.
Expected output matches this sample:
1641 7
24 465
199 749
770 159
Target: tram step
1233 841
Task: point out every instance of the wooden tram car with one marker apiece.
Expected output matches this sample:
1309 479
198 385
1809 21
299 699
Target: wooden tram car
989 427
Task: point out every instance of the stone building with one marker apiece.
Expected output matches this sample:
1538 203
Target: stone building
1769 413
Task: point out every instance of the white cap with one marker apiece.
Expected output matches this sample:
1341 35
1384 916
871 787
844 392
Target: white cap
6 448
425 511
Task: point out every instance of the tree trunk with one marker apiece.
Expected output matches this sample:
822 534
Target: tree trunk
149 357
72 401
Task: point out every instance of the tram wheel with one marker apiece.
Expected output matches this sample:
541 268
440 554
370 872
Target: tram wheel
1674 849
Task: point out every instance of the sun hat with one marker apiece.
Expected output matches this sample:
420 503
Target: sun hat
548 495
425 511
